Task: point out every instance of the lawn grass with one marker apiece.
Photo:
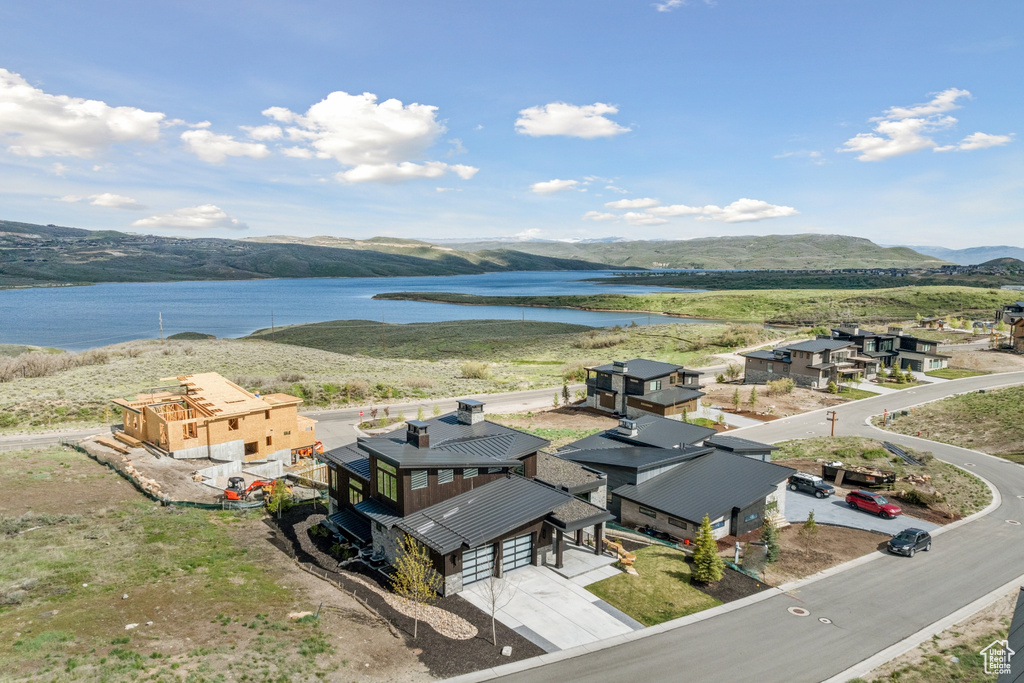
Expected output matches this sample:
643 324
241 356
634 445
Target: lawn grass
992 422
661 592
900 385
962 492
788 306
855 394
955 373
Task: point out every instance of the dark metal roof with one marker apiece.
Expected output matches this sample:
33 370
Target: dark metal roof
652 430
735 444
638 458
350 458
641 368
406 455
712 484
670 396
378 512
352 524
767 355
822 366
1015 641
816 345
483 514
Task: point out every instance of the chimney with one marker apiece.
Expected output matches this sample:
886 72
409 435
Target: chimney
628 428
619 367
416 434
471 412
898 331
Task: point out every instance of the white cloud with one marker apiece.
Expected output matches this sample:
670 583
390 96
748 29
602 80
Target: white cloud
902 130
59 169
406 170
559 118
643 218
744 210
977 141
814 155
267 132
36 124
297 152
463 171
599 216
618 190
669 5
214 148
528 234
204 217
552 186
675 210
644 203
107 200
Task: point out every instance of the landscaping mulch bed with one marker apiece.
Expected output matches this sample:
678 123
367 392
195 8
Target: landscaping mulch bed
444 657
733 586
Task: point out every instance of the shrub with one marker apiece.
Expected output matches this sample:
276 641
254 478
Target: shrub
833 388
918 497
472 369
783 385
290 377
356 389
420 383
597 339
574 372
874 454
720 378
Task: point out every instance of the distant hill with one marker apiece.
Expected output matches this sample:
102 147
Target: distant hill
973 255
771 251
50 255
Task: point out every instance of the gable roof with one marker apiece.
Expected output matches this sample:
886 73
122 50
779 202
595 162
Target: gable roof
641 368
485 513
712 484
351 458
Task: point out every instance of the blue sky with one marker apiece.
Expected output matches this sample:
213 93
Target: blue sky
899 122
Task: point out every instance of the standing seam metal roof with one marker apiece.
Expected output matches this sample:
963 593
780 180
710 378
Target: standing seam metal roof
641 368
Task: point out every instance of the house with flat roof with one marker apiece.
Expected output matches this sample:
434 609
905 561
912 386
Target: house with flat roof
812 363
893 348
477 495
207 416
666 475
643 387
1010 312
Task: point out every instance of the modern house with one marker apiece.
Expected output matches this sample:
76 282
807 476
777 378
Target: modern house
667 475
206 416
812 363
479 496
1010 312
919 355
643 387
1017 335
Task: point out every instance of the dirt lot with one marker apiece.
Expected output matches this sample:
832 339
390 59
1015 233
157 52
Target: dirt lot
930 661
85 555
801 400
803 555
991 361
559 425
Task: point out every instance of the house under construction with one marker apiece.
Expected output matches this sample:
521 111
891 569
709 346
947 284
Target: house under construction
206 416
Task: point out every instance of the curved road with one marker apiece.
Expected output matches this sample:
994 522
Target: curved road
872 606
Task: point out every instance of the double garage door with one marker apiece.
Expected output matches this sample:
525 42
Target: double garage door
478 563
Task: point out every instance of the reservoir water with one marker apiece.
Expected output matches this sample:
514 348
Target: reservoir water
77 318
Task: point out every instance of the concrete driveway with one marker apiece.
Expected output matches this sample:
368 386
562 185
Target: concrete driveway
554 612
834 510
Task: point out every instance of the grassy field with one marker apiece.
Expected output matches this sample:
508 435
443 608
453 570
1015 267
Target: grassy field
960 491
85 555
660 593
955 373
12 350
992 422
797 307
763 279
81 395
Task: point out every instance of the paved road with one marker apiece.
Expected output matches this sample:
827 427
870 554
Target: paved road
871 606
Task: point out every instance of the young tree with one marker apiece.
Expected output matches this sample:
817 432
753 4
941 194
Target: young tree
280 498
810 528
565 393
414 576
555 401
436 410
732 371
736 399
419 413
707 565
769 534
498 592
753 398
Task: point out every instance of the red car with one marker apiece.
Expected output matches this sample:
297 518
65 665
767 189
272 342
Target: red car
872 502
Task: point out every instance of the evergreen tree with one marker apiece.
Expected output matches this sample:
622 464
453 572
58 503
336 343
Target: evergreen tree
810 528
769 534
736 398
753 397
707 565
565 393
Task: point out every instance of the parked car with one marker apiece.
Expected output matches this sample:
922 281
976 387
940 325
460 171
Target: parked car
869 501
909 541
810 483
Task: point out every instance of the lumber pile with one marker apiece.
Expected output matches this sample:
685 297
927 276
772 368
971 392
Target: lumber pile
127 439
111 444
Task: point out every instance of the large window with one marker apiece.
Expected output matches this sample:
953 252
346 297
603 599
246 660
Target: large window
355 491
387 481
656 385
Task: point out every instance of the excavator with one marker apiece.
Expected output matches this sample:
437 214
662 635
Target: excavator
237 490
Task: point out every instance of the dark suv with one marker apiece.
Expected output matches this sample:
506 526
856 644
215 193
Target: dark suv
872 502
909 541
809 483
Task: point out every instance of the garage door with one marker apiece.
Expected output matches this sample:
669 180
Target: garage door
477 563
516 552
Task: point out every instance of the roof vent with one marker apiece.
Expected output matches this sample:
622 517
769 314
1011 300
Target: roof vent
628 428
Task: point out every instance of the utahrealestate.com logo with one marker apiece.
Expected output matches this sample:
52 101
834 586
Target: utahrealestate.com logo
997 657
